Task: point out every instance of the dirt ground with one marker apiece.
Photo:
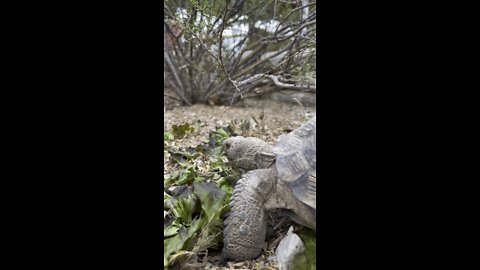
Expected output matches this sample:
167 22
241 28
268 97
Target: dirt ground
278 118
263 119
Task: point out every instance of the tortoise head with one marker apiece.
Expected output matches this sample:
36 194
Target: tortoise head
248 153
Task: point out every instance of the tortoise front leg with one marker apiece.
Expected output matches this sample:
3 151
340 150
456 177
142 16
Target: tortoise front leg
245 227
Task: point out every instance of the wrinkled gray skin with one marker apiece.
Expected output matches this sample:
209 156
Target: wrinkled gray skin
281 176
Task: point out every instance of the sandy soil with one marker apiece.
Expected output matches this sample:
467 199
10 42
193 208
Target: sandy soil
279 118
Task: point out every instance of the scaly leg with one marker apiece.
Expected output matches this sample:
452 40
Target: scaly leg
245 227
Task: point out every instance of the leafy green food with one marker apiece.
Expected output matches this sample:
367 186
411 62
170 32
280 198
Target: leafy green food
182 130
212 201
168 136
170 231
183 208
195 213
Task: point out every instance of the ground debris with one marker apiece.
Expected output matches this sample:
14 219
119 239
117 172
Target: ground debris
263 119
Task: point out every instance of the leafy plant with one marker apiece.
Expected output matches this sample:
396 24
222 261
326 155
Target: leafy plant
197 217
167 136
182 130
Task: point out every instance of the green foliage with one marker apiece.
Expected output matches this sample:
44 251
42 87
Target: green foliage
170 231
186 176
167 136
181 131
307 259
183 208
196 221
213 200
191 232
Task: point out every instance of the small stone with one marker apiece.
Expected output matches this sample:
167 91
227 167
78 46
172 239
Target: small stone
289 247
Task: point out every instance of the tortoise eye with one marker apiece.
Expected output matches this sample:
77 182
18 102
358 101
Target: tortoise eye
227 145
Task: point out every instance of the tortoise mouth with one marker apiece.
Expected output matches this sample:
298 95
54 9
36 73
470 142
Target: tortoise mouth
232 163
235 164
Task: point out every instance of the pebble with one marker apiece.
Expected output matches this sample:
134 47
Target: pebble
289 247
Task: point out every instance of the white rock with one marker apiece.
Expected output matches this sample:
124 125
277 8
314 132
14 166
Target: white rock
289 247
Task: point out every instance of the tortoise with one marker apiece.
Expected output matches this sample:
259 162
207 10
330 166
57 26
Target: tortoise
280 176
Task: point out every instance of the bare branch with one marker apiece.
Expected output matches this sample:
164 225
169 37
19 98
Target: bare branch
307 88
222 52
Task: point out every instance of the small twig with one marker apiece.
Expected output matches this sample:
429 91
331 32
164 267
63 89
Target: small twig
289 14
220 62
277 82
179 92
296 31
301 105
172 97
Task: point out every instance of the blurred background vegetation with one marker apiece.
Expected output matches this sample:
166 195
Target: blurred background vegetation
219 52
